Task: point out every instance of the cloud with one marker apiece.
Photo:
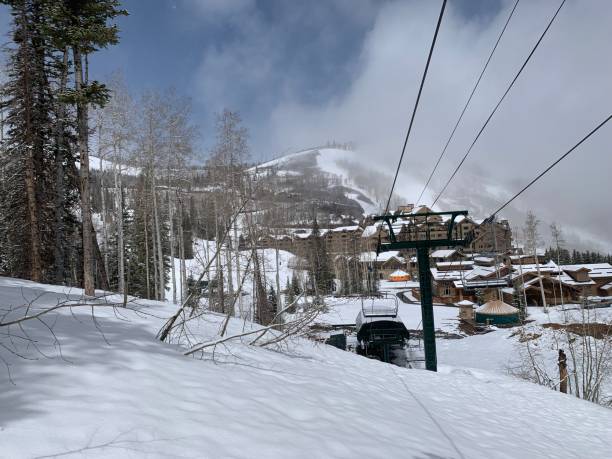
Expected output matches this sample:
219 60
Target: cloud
564 92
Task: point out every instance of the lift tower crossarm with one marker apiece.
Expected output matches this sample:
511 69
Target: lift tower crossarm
422 247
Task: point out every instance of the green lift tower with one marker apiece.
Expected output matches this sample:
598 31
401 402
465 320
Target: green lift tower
418 237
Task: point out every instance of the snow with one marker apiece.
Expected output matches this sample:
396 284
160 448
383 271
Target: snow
96 163
484 259
343 311
370 230
451 264
465 303
339 229
132 396
443 253
329 161
203 250
595 269
381 257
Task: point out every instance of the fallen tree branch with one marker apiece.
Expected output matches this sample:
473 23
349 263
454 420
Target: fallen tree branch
62 305
165 330
294 327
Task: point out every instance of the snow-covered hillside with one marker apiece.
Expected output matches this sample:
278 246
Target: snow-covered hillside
109 389
344 164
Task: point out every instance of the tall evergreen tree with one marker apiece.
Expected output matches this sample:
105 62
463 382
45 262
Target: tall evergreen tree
320 272
86 29
26 153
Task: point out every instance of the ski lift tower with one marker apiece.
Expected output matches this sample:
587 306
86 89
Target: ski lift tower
418 236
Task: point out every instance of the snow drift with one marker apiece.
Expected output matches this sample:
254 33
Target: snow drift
108 388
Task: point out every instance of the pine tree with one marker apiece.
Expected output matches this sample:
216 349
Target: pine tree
321 276
27 152
272 299
295 284
289 293
85 29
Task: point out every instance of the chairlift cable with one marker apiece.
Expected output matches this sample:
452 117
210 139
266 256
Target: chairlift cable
467 103
416 104
557 161
469 150
414 110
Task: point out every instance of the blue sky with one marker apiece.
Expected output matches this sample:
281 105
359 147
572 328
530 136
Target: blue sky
306 72
246 55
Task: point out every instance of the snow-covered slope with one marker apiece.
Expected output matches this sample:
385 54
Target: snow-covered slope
341 163
96 163
114 391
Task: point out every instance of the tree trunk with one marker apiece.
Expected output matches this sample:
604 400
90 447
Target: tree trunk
99 263
120 243
104 216
279 300
562 372
182 266
160 256
172 239
82 133
154 260
219 268
230 283
237 263
58 250
146 237
35 265
540 281
35 273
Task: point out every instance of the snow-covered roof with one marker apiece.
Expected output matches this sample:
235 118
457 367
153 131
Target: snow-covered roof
539 252
595 269
451 264
382 256
304 234
370 230
550 267
465 303
481 283
443 253
608 286
482 259
482 272
559 273
497 308
345 228
446 275
420 209
398 273
562 277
